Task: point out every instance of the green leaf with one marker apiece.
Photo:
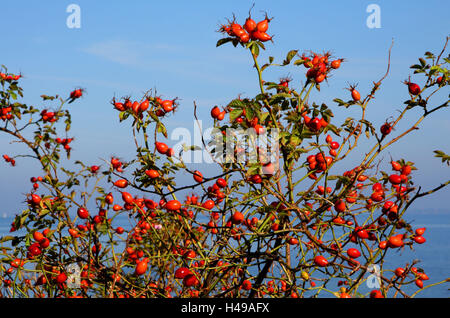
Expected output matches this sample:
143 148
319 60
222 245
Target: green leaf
223 41
422 62
299 62
253 169
278 98
295 141
235 114
123 115
249 113
45 97
161 129
153 116
333 128
263 116
444 157
435 69
236 103
289 57
7 238
255 49
429 55
43 212
341 102
271 85
260 45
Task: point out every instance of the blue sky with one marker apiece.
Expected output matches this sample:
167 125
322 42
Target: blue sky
128 48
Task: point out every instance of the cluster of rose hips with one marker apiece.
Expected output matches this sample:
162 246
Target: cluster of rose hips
319 66
116 164
342 221
272 288
189 277
377 195
135 106
398 179
171 205
253 123
216 113
84 214
163 107
333 145
48 116
250 31
419 276
34 200
318 163
35 180
267 170
163 149
396 241
5 113
10 160
15 263
134 254
315 124
60 278
215 191
9 77
131 202
64 142
389 208
41 242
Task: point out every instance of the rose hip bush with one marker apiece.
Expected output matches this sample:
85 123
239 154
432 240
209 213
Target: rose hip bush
284 223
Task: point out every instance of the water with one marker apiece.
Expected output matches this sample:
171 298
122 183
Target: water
434 255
